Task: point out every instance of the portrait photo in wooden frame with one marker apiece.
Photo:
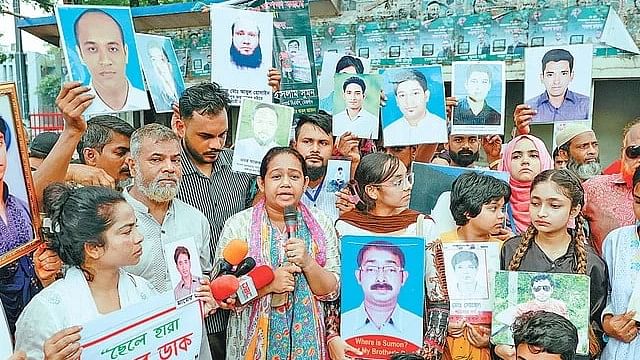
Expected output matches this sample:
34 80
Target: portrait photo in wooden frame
18 192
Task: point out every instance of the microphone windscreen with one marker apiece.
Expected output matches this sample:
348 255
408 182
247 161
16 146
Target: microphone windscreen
235 251
245 266
290 214
224 286
262 276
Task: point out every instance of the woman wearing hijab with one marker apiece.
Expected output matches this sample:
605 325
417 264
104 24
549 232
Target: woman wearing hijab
523 158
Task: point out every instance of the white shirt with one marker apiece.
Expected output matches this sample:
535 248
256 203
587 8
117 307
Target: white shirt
441 214
182 221
430 129
401 324
136 100
321 199
364 124
249 148
69 302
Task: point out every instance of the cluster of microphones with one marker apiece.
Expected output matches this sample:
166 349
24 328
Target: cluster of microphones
238 274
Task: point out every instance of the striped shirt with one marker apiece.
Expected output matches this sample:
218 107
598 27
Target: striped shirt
219 197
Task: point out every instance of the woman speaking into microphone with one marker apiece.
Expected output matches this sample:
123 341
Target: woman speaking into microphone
306 262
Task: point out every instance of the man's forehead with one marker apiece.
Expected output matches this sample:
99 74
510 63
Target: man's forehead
557 65
633 136
87 24
245 26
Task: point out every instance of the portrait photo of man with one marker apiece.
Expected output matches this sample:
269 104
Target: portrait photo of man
412 95
262 127
101 42
558 102
188 281
355 118
245 51
542 288
473 108
241 54
381 272
466 285
299 59
161 71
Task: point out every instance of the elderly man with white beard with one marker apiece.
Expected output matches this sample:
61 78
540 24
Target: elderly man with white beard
155 166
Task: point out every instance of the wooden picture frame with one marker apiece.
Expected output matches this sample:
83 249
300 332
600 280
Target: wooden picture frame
17 173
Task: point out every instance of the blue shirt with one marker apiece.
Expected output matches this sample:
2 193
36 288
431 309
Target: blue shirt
574 107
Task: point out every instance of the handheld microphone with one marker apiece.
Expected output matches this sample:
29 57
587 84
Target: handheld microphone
255 280
232 255
291 220
244 267
224 286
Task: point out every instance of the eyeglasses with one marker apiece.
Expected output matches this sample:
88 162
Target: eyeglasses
546 288
632 152
386 270
403 182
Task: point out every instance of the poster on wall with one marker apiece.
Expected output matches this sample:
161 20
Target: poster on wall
473 37
548 27
332 38
436 41
509 36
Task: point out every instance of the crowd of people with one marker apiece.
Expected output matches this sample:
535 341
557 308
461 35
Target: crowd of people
135 190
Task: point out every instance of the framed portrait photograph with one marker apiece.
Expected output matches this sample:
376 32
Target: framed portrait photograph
18 192
242 52
161 70
100 51
385 270
558 83
480 87
470 269
519 292
261 127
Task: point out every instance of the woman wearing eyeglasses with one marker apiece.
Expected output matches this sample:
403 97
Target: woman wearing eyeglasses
383 185
621 251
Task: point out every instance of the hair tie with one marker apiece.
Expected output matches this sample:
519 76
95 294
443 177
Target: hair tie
354 197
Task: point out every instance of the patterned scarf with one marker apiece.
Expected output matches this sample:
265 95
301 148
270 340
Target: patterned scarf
294 330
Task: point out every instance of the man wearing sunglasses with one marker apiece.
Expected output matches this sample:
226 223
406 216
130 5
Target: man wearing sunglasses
542 287
381 273
609 198
578 143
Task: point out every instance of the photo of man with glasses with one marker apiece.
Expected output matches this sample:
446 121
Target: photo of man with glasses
542 287
381 273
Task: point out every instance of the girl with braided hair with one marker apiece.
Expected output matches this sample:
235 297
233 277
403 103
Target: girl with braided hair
550 245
